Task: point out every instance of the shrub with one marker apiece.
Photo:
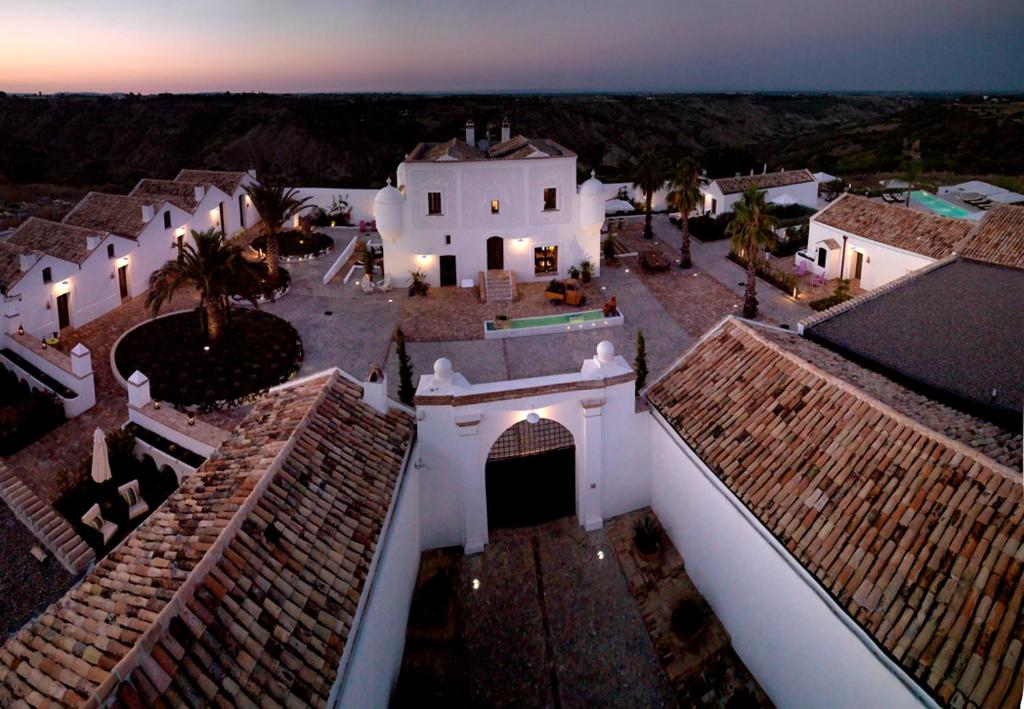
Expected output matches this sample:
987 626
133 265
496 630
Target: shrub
708 228
586 270
840 295
419 285
120 450
646 535
784 281
556 286
406 389
796 239
640 364
689 618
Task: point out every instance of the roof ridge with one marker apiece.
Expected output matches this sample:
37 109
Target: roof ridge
159 626
881 406
858 300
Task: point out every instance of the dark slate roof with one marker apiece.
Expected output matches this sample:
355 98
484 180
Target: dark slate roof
241 589
914 535
954 330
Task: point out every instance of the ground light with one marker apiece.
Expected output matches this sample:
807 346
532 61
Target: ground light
476 584
600 555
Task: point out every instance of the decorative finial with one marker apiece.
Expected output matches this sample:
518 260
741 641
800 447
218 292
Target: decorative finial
389 181
593 175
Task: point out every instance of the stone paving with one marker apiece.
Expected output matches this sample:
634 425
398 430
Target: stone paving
704 670
551 623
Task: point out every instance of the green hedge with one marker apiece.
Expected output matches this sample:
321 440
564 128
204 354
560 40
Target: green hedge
785 282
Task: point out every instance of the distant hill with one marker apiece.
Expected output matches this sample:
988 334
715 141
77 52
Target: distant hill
357 140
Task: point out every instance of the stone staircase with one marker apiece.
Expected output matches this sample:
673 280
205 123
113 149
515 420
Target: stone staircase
498 286
49 527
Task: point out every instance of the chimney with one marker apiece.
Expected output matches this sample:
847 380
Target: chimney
506 129
751 172
92 241
470 132
25 262
200 192
764 170
375 389
147 213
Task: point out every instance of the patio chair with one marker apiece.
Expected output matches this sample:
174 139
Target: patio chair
93 518
136 505
367 284
817 281
385 285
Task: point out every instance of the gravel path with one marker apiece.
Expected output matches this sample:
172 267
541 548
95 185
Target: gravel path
26 585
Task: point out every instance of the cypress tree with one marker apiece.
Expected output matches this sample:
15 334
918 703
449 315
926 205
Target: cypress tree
640 363
406 390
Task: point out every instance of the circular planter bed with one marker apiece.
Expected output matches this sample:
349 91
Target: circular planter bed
296 246
270 292
258 350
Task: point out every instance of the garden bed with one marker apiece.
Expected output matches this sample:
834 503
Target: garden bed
258 351
25 415
785 282
296 246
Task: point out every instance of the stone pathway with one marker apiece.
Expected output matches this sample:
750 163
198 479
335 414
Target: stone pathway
704 670
543 617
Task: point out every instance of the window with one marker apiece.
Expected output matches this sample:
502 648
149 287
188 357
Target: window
47 276
545 260
433 202
110 251
167 219
495 206
822 255
447 239
550 199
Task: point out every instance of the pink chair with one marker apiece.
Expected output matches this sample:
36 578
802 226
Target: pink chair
817 281
801 269
362 226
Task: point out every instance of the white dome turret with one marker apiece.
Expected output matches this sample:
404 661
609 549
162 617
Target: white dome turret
387 210
592 204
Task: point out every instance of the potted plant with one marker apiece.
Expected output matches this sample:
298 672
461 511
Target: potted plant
608 249
555 292
689 618
574 272
586 270
646 535
500 322
419 285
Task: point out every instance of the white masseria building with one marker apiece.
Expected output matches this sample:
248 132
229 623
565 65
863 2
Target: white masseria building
784 188
463 207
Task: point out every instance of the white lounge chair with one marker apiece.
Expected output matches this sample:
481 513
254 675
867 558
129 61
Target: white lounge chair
93 518
136 505
385 285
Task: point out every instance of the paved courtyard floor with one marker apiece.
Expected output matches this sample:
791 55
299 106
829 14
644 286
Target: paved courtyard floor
538 619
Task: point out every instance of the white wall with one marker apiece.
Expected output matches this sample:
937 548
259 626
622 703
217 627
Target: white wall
376 656
658 203
882 263
799 649
466 193
805 193
361 200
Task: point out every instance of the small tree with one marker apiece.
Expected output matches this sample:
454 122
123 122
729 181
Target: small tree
648 176
640 363
752 230
406 390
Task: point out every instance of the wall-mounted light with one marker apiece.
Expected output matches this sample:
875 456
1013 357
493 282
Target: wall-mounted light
62 287
123 261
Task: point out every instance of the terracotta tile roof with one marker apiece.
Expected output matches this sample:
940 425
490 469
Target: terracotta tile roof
517 148
180 193
895 225
115 213
63 241
225 180
10 265
241 588
998 238
917 537
732 185
1002 445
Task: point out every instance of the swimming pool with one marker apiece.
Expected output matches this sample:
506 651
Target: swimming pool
546 324
938 206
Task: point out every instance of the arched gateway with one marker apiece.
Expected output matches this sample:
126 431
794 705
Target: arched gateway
531 474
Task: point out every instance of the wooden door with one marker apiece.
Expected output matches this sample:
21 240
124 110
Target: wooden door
858 265
495 254
63 312
122 281
449 275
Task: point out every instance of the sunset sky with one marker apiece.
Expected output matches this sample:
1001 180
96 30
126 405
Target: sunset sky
543 45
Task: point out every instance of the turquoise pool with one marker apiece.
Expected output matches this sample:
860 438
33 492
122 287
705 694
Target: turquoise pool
543 320
938 206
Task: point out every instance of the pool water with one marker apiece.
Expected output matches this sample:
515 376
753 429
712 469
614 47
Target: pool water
542 320
938 206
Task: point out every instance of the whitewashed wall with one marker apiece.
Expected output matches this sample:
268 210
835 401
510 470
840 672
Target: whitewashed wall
360 199
801 651
882 263
805 193
376 655
658 203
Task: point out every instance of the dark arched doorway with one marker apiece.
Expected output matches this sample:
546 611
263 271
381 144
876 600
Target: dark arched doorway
531 475
495 254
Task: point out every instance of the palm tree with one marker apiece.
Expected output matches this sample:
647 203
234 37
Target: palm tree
911 171
685 197
649 177
276 205
752 230
213 267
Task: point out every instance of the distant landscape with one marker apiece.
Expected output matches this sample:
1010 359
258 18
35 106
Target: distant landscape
63 145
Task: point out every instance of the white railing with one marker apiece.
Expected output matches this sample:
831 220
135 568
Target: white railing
340 261
73 372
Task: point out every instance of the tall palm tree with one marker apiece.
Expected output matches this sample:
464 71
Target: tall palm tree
213 267
275 204
752 230
685 197
649 177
